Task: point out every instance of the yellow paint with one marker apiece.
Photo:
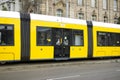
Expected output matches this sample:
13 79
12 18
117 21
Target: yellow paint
42 52
104 51
78 52
6 56
9 51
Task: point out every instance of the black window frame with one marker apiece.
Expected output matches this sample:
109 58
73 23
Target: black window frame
37 35
5 29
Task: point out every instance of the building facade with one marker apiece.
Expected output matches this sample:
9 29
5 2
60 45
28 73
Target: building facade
10 5
96 10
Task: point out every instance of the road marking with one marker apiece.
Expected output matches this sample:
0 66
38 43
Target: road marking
64 77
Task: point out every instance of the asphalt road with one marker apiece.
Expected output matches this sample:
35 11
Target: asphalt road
102 71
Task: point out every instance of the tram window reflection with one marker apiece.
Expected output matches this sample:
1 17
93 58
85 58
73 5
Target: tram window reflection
78 38
44 36
6 35
108 39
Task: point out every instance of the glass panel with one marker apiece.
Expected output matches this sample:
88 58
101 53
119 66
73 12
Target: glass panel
6 35
43 36
58 37
115 39
80 2
108 39
115 5
59 12
104 4
9 28
78 38
66 37
2 27
93 3
102 39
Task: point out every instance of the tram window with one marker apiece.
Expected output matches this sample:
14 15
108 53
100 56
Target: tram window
6 35
102 39
44 36
118 39
108 39
115 39
77 38
58 37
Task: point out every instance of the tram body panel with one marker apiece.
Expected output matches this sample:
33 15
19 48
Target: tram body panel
40 51
10 51
112 49
79 49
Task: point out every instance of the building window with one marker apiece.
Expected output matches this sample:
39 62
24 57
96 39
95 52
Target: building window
94 3
105 4
59 12
105 19
80 15
44 36
115 20
115 5
94 17
108 39
6 35
77 38
4 8
80 2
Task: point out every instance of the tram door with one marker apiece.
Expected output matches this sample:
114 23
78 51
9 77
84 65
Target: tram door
62 41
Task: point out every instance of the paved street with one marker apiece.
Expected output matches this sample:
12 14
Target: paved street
100 71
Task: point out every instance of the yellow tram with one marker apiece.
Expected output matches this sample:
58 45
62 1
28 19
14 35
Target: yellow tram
26 37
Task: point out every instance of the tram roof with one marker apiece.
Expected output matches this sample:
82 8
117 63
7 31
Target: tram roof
107 25
12 14
57 19
9 14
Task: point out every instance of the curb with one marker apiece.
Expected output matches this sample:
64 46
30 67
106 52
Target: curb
77 63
